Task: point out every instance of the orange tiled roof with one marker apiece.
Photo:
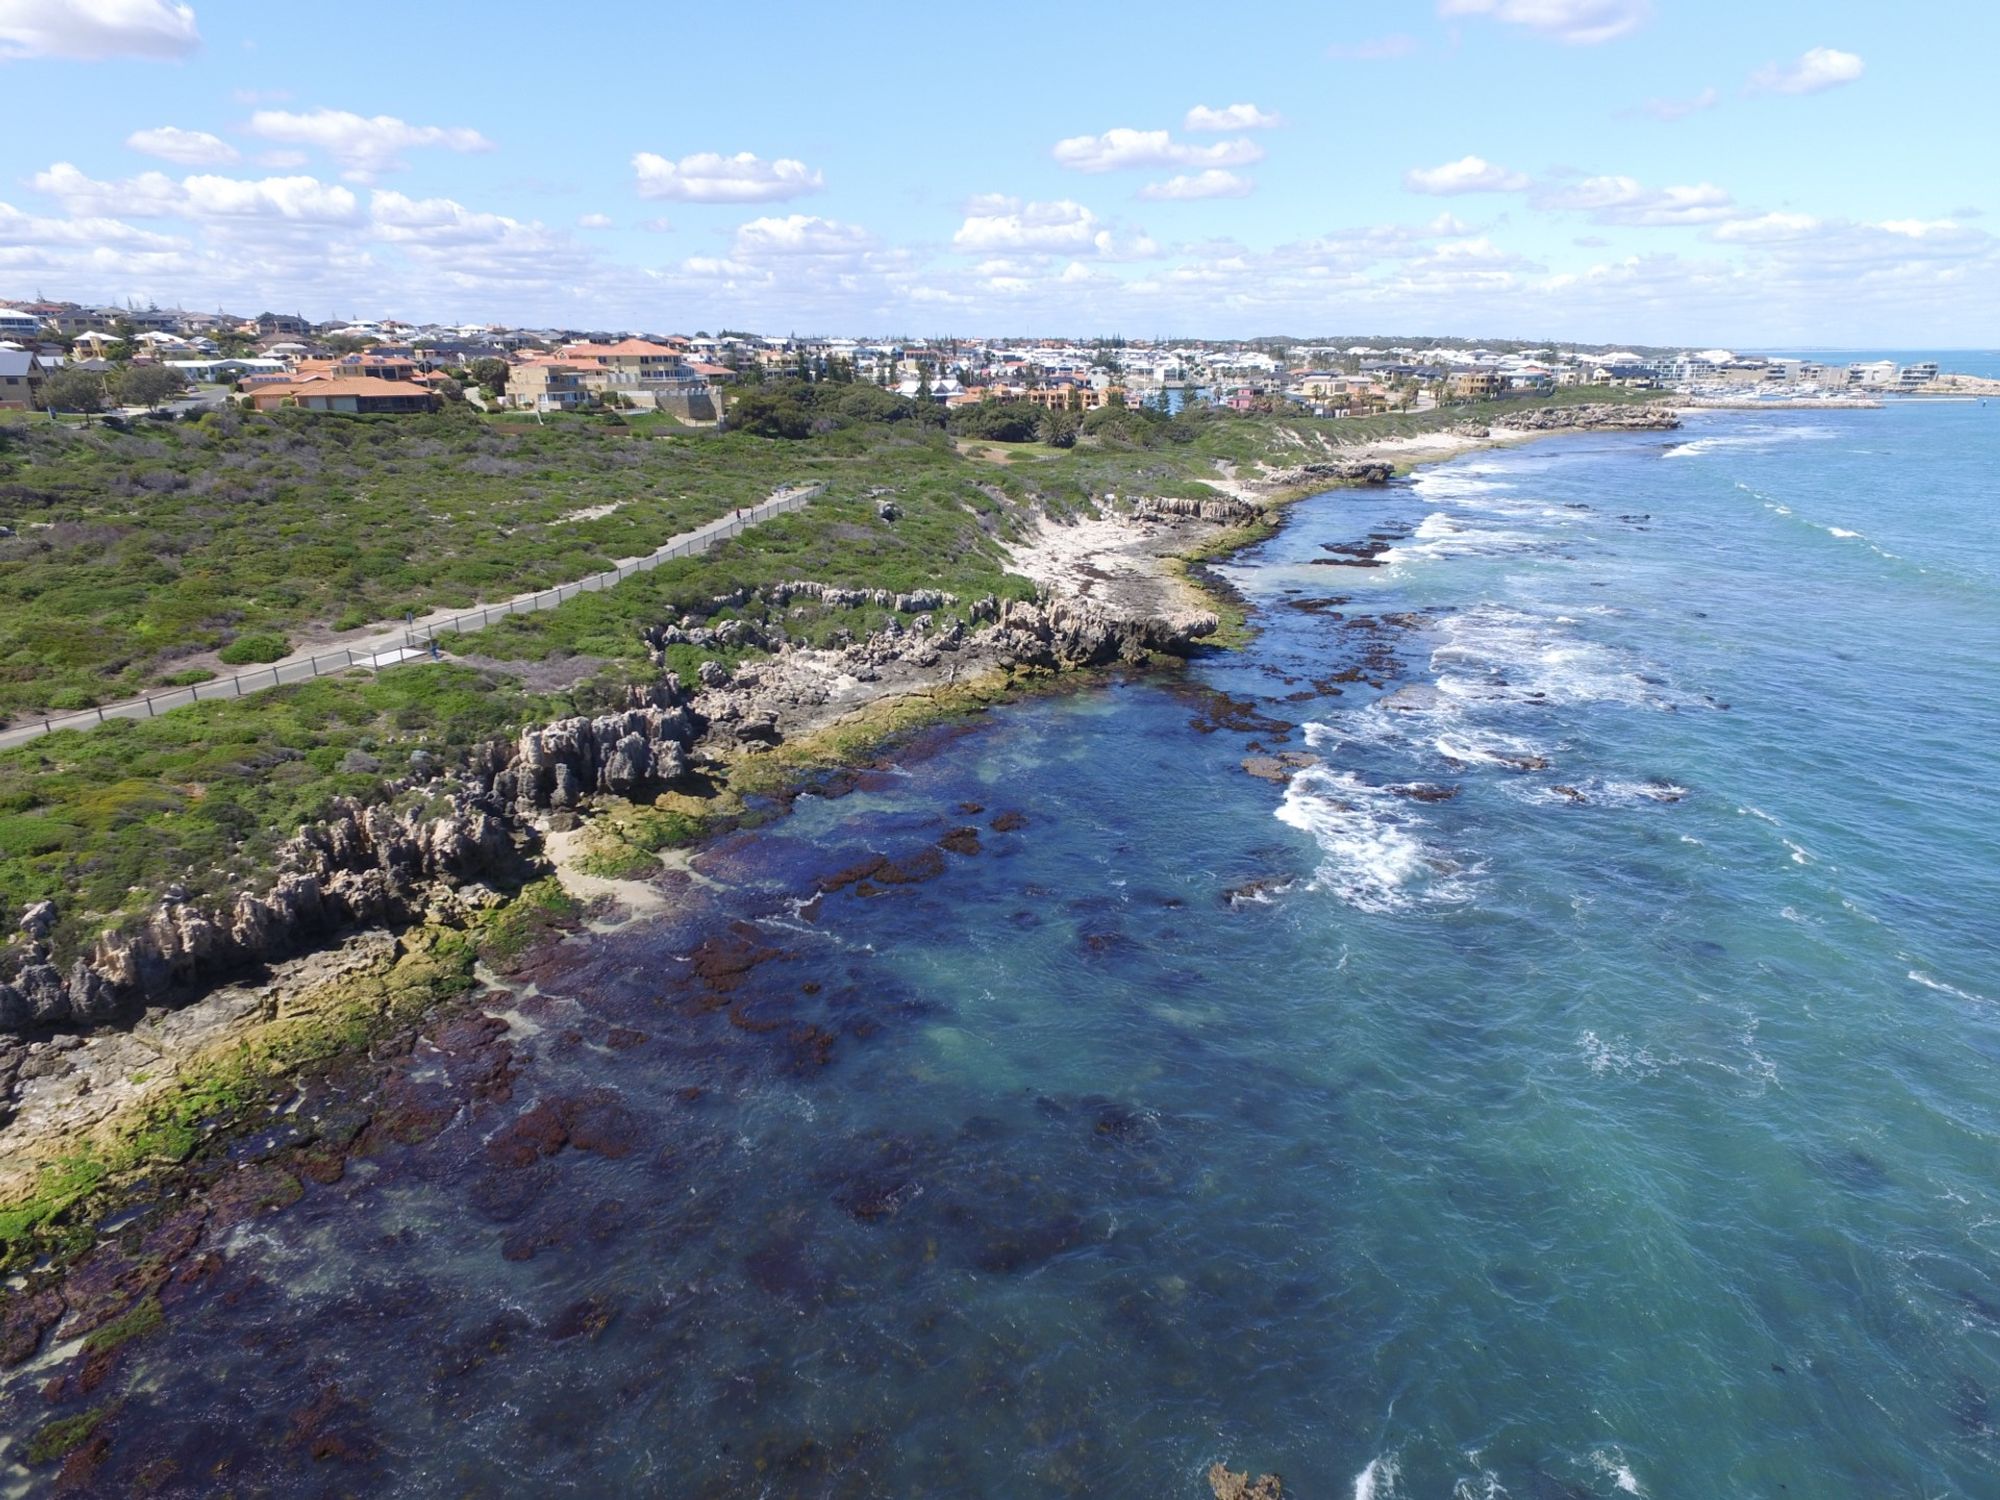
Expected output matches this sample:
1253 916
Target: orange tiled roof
343 385
623 347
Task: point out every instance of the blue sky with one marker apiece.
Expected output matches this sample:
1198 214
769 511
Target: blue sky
1662 171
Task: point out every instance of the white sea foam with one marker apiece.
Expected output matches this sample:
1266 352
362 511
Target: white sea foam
1501 653
1615 1055
1491 749
1758 435
1799 855
1378 1480
1377 858
1842 531
1947 989
1599 791
1611 1464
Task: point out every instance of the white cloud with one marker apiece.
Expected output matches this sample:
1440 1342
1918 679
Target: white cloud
20 229
1229 117
658 226
1121 147
799 234
92 30
282 161
594 221
996 223
1469 174
1919 229
1680 109
1817 68
1581 23
1139 246
433 220
363 145
302 199
205 196
1765 228
191 148
1374 49
707 177
1624 200
1214 183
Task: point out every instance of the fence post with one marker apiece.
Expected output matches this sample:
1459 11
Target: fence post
274 671
238 680
100 713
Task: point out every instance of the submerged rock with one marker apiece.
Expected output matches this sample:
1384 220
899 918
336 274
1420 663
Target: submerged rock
1228 1485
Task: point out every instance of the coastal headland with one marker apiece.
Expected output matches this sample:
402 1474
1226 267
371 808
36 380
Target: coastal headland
139 1057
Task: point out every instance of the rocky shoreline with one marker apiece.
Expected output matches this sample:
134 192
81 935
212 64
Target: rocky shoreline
445 842
449 844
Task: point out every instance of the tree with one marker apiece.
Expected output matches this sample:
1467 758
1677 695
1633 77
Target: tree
490 374
1058 429
73 390
150 385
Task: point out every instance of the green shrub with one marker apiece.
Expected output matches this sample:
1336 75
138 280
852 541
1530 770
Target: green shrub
256 648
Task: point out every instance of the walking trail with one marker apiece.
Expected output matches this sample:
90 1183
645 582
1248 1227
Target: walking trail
415 640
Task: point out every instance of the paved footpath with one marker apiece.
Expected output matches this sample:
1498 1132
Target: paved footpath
417 640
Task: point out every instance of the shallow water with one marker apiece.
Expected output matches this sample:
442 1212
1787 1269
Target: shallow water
1580 1082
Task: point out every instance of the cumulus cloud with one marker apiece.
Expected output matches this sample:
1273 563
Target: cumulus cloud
1469 174
1764 228
1214 183
204 196
1625 200
1581 23
1374 49
593 221
22 229
92 30
707 177
1680 109
998 223
191 148
1817 68
799 234
1121 147
1229 117
363 145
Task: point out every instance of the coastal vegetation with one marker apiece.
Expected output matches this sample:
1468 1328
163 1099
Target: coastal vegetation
146 555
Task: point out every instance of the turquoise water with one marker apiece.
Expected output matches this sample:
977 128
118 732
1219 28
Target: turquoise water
1619 1116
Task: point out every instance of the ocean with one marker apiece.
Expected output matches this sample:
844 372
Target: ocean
1580 1077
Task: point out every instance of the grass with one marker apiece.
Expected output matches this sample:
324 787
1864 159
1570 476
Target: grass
133 550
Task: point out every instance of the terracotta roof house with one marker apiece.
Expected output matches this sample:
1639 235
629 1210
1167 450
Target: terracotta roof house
359 394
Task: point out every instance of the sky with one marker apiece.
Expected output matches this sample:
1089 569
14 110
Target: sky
1694 172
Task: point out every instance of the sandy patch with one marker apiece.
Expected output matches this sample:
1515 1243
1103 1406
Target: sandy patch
1112 561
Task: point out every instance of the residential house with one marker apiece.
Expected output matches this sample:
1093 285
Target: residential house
358 394
20 379
18 325
282 325
545 383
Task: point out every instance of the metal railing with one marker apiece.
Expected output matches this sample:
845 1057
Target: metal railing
420 640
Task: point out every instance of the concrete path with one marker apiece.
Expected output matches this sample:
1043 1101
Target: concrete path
418 640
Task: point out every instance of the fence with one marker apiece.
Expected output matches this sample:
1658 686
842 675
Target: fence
419 642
